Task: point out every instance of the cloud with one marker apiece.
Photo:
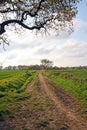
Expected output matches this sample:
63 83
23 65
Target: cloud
44 50
30 49
72 53
74 49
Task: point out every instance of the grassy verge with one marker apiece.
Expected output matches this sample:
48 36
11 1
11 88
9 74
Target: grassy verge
12 90
74 82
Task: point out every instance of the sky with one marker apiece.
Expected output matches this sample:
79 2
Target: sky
65 50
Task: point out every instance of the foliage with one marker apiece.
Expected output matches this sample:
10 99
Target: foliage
46 64
41 15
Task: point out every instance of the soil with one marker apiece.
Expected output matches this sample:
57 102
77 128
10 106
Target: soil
64 104
48 108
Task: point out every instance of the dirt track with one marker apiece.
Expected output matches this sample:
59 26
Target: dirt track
63 103
48 108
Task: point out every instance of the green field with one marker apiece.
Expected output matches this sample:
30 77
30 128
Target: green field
12 89
74 82
13 85
27 99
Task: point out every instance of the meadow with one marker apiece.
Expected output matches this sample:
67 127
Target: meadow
74 82
12 89
42 100
13 84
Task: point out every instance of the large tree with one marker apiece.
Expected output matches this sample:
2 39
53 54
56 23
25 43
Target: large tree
42 15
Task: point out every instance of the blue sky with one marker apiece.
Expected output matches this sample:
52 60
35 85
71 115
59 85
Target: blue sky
64 50
80 34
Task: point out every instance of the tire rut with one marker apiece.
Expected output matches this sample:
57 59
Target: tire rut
75 121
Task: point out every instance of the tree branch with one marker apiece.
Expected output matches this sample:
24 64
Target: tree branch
2 25
46 14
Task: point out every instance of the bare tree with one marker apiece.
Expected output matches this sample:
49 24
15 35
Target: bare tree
41 15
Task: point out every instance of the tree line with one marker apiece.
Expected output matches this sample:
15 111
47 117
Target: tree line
45 64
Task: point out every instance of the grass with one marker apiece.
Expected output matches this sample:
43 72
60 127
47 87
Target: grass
24 109
73 81
12 89
4 74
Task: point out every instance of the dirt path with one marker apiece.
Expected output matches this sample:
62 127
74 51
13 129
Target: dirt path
47 108
63 104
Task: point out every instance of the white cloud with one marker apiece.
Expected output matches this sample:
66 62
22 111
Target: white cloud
72 53
69 53
74 48
30 49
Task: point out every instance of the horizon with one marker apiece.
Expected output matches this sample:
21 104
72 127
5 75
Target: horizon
40 65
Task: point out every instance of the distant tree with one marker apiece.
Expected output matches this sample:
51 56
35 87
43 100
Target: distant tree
55 67
1 67
9 67
20 67
41 15
46 64
34 67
